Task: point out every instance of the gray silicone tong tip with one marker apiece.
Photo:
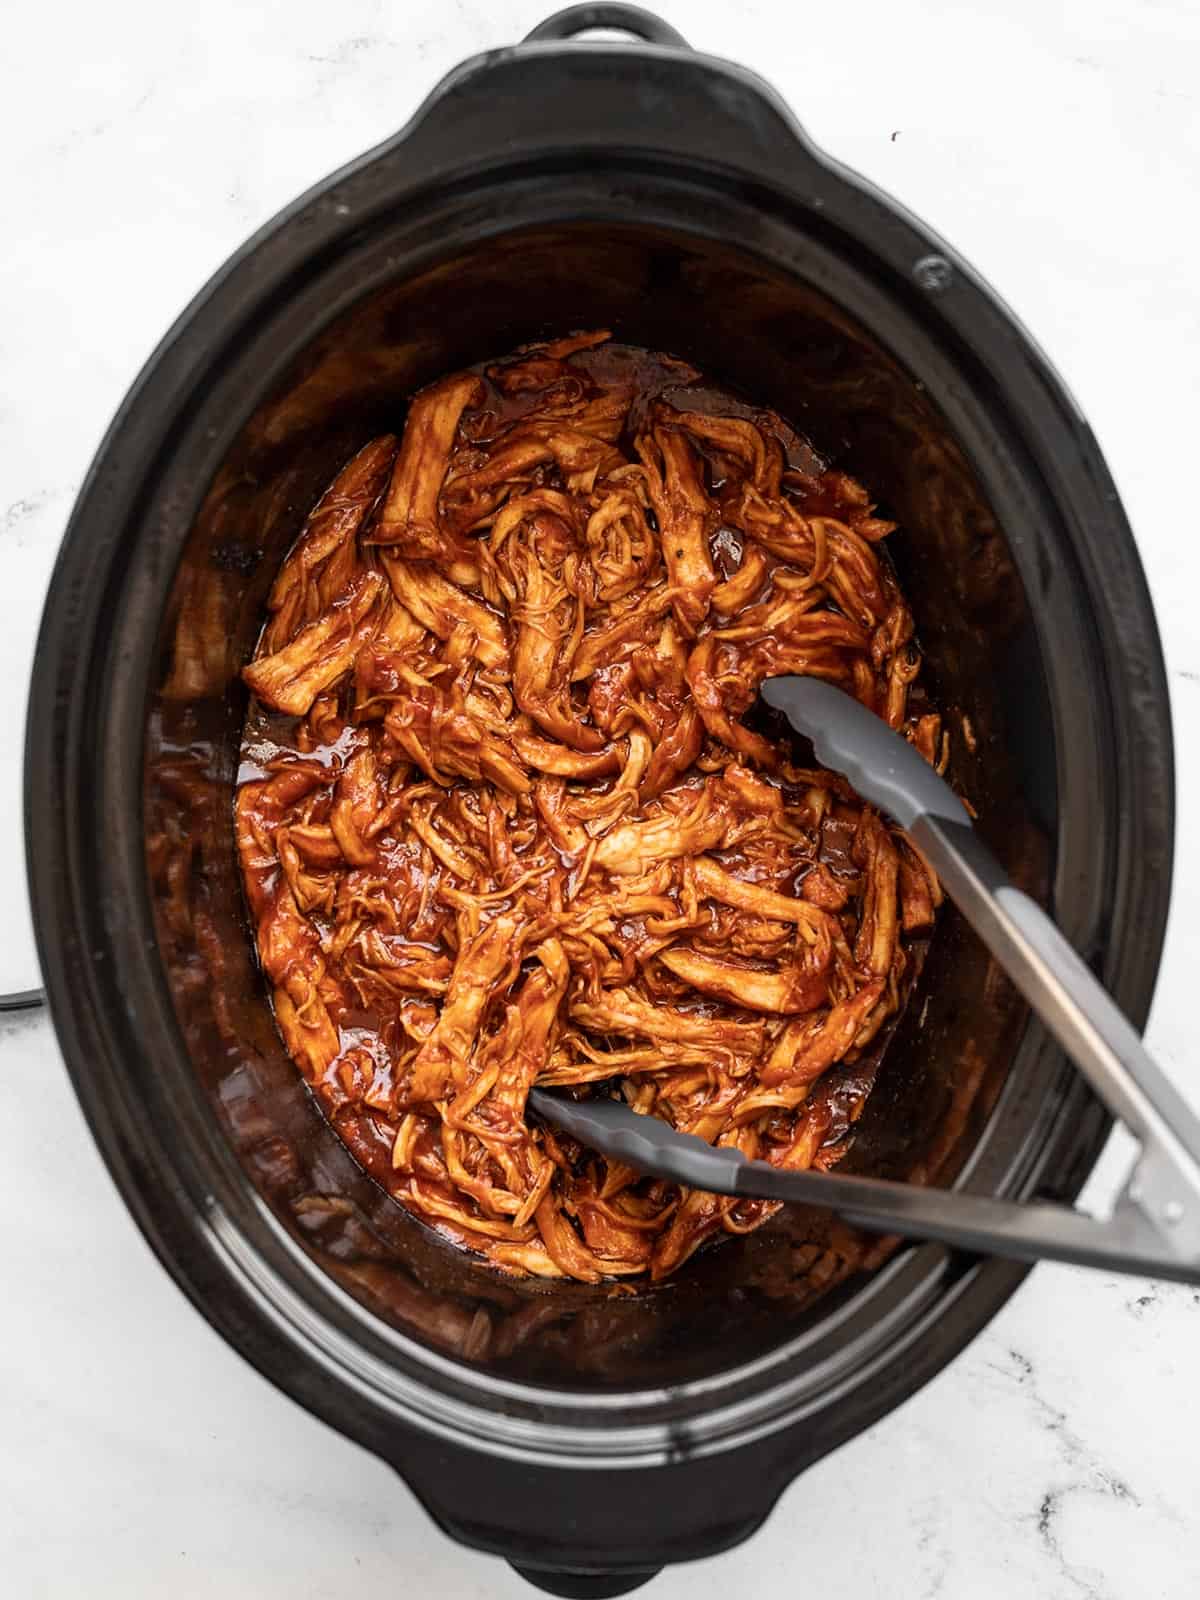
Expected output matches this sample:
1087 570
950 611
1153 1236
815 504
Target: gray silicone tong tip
848 738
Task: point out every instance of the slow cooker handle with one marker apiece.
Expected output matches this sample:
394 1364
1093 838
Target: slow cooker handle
550 98
626 19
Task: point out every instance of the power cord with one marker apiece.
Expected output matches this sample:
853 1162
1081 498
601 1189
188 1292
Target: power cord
23 1000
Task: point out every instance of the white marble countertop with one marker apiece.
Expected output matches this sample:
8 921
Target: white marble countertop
1058 146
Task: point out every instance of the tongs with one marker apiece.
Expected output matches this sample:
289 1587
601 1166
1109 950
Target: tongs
1154 1227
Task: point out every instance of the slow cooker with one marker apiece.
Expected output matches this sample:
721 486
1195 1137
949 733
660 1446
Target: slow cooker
587 1436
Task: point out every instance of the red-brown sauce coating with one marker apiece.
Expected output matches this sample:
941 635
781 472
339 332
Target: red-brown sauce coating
503 818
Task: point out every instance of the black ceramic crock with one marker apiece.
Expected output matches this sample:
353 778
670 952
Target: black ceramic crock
563 184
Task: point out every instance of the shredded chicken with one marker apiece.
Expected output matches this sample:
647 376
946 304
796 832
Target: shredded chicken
509 818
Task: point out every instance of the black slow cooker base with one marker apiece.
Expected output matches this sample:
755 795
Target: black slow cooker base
585 1585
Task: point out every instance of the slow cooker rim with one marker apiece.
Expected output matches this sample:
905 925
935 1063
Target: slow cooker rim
65 587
